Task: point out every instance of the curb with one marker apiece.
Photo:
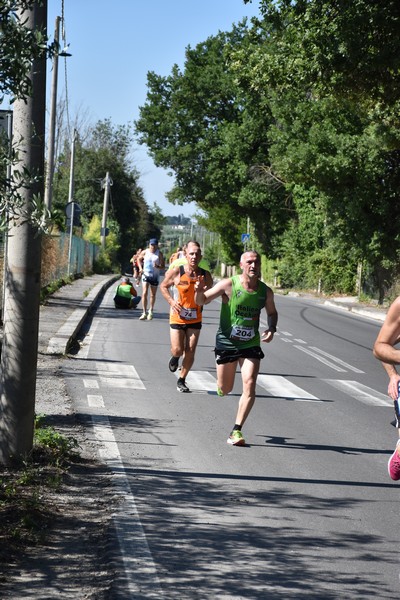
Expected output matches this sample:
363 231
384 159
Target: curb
60 342
365 312
369 313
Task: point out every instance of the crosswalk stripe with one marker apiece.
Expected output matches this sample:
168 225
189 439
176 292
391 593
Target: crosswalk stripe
200 382
119 375
360 392
281 387
95 401
90 383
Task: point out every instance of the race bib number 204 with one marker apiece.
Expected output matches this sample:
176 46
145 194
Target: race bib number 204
240 332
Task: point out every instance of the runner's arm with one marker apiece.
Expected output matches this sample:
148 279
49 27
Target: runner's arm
203 295
140 261
161 261
384 349
167 283
388 336
272 317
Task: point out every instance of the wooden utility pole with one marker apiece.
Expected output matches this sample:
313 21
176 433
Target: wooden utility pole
22 275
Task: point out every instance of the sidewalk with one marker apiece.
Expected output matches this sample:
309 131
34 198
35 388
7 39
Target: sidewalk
64 311
350 304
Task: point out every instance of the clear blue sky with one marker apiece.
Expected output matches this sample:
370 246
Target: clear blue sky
114 43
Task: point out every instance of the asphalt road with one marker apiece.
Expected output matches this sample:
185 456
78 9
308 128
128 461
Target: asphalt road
305 510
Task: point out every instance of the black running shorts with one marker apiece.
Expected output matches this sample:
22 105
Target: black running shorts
153 281
185 326
227 356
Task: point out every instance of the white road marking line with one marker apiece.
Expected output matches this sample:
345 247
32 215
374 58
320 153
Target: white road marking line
119 375
320 358
84 351
337 360
200 382
360 392
95 401
90 383
127 383
280 387
140 570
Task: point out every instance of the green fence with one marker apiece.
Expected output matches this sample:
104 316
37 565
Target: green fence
58 260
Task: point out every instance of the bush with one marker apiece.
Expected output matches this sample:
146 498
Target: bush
103 263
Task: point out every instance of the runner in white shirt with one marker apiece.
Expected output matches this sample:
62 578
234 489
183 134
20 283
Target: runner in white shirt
150 261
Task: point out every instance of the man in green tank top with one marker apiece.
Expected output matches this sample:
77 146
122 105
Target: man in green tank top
238 338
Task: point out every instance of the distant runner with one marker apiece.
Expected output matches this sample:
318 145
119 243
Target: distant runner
150 262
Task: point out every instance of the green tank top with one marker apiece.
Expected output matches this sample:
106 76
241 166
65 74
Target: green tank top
240 317
123 290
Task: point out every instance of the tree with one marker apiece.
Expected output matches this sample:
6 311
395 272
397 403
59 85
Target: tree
329 72
19 46
298 111
22 274
197 123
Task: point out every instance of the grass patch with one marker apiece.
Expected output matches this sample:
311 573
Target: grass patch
53 287
26 487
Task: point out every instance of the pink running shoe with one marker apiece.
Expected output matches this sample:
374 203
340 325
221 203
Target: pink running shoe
394 464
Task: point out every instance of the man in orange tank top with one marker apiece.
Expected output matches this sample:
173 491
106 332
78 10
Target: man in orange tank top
185 316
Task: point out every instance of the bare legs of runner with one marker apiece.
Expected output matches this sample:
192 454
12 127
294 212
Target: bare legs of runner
226 377
184 343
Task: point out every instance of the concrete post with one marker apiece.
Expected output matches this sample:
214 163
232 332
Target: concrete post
22 276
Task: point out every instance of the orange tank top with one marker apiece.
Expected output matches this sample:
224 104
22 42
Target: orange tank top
184 293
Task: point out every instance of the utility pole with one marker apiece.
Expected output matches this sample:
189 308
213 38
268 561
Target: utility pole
48 194
22 275
71 198
103 234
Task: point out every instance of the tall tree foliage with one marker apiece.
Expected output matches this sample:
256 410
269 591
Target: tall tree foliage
293 122
196 123
330 71
19 47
